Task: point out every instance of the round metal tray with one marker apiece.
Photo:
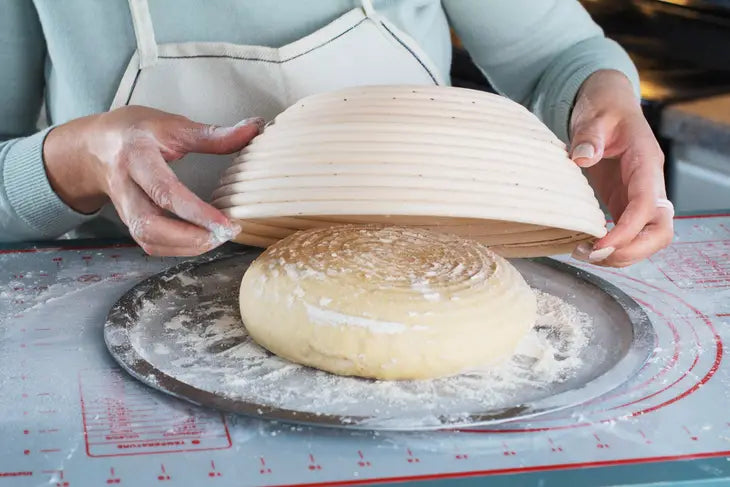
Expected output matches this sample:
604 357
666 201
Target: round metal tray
140 335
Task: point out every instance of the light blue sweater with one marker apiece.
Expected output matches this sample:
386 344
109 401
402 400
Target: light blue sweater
72 53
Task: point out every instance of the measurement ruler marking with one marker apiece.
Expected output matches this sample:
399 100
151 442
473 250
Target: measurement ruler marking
143 430
159 439
105 393
155 427
674 359
104 410
130 413
16 474
101 433
131 421
129 403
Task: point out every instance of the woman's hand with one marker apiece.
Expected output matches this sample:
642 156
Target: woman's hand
612 139
123 155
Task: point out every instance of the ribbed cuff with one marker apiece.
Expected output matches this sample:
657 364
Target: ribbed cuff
559 114
563 82
30 193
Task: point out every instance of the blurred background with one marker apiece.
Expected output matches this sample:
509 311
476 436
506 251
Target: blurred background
682 51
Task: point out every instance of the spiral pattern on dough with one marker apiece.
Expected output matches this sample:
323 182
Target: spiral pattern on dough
387 259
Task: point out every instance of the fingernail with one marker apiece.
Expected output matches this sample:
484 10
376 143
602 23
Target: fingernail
585 253
220 233
583 151
601 254
258 121
582 251
225 131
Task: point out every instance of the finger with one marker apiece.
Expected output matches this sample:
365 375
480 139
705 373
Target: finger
148 226
643 189
584 252
131 203
166 231
657 235
588 141
209 139
155 233
145 221
633 219
150 171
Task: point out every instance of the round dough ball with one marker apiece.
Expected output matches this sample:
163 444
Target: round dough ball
385 302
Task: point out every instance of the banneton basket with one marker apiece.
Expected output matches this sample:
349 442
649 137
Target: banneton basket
447 159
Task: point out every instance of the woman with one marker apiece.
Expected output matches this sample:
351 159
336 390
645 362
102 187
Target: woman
132 86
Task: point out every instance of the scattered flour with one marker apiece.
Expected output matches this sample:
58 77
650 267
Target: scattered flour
203 343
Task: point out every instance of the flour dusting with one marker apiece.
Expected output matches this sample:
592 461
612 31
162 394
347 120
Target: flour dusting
203 343
328 317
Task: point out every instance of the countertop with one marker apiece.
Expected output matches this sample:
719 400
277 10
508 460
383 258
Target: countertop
71 418
704 122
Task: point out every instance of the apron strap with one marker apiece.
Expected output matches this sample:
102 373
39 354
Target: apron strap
367 6
144 32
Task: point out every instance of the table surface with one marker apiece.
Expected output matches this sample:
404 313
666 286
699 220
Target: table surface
71 418
704 122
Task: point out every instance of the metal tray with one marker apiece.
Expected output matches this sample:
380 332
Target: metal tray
145 334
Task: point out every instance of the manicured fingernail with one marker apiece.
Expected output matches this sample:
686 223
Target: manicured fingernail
582 251
600 254
583 151
258 121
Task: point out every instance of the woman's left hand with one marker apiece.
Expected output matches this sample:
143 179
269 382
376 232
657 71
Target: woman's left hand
612 139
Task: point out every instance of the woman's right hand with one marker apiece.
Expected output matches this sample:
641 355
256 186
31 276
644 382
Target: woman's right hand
123 155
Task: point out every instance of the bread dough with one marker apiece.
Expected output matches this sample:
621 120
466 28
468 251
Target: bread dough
385 302
414 152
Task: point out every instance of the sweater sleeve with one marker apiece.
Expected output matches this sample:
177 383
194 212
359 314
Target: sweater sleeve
29 208
537 52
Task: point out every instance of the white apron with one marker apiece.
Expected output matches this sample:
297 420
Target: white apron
223 83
